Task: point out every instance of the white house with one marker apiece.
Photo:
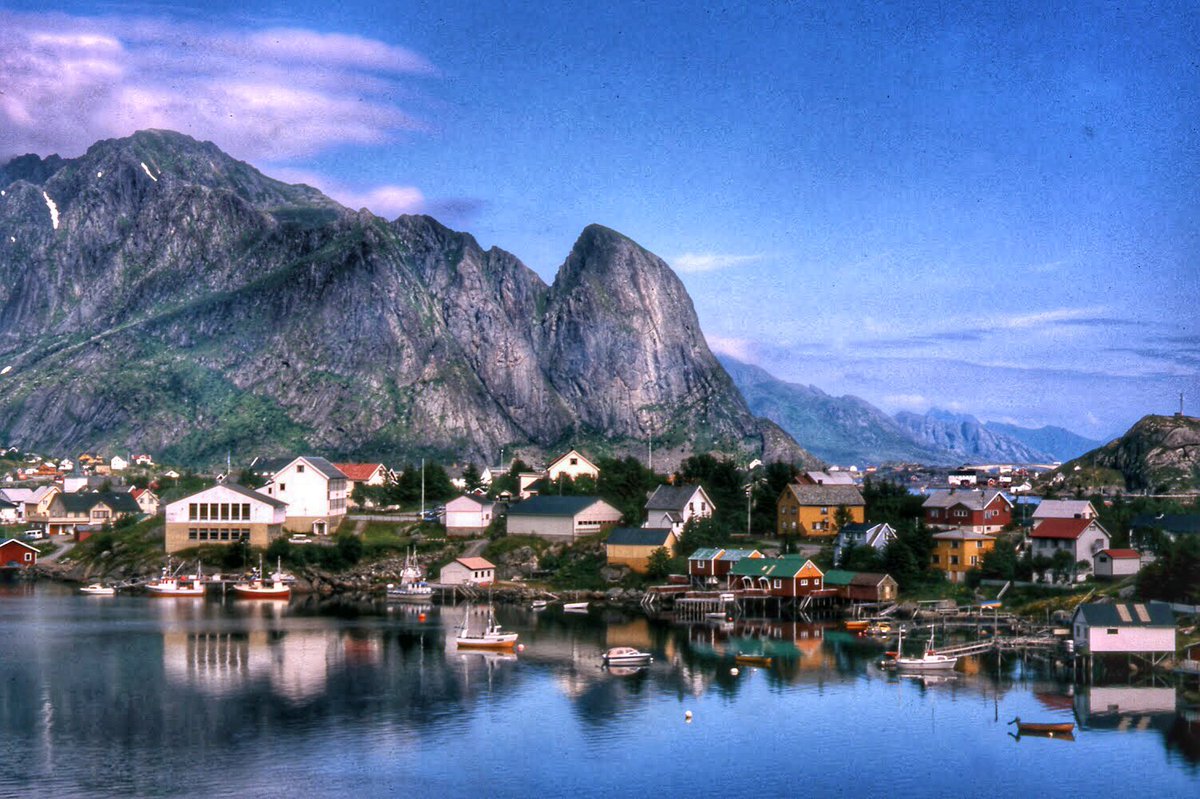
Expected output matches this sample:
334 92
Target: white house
118 464
561 518
1064 509
365 474
224 514
147 500
862 534
468 571
315 492
1083 538
11 512
469 514
671 507
572 465
1124 627
1117 563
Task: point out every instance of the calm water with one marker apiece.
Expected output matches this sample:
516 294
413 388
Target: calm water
129 696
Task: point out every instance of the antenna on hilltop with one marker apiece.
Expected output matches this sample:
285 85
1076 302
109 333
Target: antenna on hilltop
1180 412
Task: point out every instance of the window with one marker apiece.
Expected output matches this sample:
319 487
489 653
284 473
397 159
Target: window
824 510
224 511
1111 631
954 560
934 559
779 584
574 461
299 468
203 511
282 487
192 511
974 560
28 557
804 582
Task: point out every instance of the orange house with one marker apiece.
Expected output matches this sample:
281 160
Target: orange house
956 552
811 510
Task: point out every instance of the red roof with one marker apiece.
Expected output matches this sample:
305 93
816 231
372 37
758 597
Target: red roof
1117 554
358 472
137 492
1069 529
476 563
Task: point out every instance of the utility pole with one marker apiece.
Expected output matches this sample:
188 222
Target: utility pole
749 495
422 488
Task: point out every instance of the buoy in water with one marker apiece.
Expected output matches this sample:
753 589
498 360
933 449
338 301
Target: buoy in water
421 617
520 647
734 671
687 716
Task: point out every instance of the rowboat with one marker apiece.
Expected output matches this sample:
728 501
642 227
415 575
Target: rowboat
576 607
753 660
626 656
538 604
1048 729
98 589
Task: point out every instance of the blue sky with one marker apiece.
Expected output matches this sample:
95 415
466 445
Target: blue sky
990 208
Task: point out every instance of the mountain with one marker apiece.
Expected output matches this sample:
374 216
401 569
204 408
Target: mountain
1061 444
1160 454
159 295
844 430
966 439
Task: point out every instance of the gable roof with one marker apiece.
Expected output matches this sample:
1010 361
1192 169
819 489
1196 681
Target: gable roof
1126 614
1065 529
475 563
640 536
785 566
566 455
553 506
1121 554
83 502
838 577
674 498
706 553
250 493
826 495
1063 509
358 472
830 478
269 466
871 579
962 535
327 469
734 555
8 541
477 499
975 499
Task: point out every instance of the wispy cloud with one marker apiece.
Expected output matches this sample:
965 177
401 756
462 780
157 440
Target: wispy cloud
712 261
740 348
270 94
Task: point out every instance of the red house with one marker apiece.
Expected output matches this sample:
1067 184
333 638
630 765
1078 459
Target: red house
16 554
711 566
788 576
970 510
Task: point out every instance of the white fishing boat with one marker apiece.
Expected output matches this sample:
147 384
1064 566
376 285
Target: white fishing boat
278 586
169 584
98 589
413 587
575 607
490 637
930 659
626 656
538 604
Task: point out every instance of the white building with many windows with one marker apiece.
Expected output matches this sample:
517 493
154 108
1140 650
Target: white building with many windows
224 514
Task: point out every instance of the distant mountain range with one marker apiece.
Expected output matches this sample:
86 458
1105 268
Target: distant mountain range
849 430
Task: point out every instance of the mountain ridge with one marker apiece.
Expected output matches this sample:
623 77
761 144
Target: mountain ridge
183 302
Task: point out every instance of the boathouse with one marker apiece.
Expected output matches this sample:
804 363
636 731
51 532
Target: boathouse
862 586
710 567
1141 628
468 571
16 554
561 518
789 576
1117 563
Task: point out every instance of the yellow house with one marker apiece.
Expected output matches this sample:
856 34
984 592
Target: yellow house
811 510
631 546
956 552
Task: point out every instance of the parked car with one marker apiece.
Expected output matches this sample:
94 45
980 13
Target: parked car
34 535
299 539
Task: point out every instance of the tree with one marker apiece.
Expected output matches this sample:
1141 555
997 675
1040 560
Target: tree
1175 576
890 502
1001 563
861 559
1062 562
841 517
701 533
350 548
471 478
723 482
625 484
659 564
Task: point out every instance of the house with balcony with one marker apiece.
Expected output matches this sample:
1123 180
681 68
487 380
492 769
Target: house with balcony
709 567
971 510
83 513
314 491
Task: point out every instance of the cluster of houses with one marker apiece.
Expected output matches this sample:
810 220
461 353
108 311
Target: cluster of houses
969 520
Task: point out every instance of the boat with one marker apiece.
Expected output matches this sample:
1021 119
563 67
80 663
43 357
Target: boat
626 656
169 584
538 604
491 637
856 625
277 587
575 607
880 629
1047 729
753 660
413 587
98 589
930 659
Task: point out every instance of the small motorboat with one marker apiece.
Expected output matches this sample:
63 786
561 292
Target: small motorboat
276 587
98 589
575 607
1046 729
753 660
170 585
538 604
930 659
626 656
856 625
